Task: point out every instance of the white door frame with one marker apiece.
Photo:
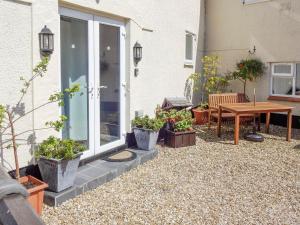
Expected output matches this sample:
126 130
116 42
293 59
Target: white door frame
97 21
94 81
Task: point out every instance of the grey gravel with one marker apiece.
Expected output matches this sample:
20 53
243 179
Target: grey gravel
214 182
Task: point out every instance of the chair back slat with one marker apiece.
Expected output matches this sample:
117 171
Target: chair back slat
242 98
214 100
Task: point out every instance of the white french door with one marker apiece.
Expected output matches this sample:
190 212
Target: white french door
109 39
93 55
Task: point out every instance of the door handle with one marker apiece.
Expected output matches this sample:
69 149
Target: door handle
99 89
89 90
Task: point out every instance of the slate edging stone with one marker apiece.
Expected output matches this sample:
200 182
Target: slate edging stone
97 173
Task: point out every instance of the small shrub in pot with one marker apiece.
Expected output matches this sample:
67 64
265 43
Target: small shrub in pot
58 162
146 131
201 113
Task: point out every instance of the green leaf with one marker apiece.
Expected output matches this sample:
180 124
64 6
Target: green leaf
58 124
146 122
56 148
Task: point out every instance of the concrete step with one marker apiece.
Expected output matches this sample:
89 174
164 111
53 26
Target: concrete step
96 173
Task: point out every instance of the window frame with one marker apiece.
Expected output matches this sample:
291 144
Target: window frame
283 74
248 2
292 76
189 62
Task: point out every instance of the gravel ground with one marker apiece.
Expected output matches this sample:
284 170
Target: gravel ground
213 182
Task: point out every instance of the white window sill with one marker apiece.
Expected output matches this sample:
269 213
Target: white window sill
255 2
188 63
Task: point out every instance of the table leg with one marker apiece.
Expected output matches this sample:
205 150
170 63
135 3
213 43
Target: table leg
259 118
237 129
289 126
209 116
268 115
219 122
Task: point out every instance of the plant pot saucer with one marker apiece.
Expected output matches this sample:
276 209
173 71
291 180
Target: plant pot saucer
253 136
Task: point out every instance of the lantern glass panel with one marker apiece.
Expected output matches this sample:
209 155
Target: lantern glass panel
46 42
136 53
51 42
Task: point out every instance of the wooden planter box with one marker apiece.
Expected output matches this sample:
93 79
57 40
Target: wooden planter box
180 139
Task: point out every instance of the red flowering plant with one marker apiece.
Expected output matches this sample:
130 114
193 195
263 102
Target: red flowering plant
241 66
177 121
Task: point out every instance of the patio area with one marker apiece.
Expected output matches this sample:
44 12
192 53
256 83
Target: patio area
214 182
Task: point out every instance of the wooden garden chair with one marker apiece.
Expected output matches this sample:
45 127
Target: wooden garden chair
214 100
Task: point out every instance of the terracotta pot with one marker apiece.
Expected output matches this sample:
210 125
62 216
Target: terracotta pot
201 116
36 193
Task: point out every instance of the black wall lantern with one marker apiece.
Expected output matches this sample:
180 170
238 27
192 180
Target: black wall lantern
137 52
46 41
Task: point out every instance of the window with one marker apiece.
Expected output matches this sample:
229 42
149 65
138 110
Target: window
285 79
189 46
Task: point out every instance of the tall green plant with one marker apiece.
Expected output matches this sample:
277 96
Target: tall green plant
208 81
9 115
248 70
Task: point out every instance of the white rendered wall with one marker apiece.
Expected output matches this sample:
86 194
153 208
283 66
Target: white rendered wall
272 26
162 70
15 61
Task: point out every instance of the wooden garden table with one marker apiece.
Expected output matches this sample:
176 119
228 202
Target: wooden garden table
248 108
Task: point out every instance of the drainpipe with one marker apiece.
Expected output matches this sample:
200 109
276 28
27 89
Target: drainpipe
14 208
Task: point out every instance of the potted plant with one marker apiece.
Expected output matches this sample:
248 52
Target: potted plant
179 132
201 114
58 162
35 189
207 82
146 131
11 115
248 70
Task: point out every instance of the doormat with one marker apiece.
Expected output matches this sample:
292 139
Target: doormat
122 156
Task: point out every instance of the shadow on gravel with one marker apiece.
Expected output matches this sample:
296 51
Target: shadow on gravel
227 137
297 147
210 135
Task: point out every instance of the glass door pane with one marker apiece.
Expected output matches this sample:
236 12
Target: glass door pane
74 70
109 89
